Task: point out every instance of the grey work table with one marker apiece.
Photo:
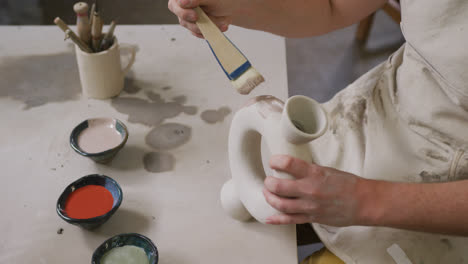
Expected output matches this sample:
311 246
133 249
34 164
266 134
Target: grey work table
173 197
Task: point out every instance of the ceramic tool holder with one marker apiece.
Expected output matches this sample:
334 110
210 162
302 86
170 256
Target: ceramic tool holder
101 74
287 129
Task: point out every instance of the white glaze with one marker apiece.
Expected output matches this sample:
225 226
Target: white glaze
125 255
99 136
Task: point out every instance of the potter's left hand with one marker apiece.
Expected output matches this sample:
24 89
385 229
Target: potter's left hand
317 194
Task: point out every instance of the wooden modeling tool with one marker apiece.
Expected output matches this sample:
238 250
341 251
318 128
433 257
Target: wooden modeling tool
91 14
236 66
96 29
108 38
82 21
70 34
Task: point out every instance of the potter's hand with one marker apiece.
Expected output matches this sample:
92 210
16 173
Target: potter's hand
219 11
293 18
317 194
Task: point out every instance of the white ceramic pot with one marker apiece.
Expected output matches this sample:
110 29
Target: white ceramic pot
286 129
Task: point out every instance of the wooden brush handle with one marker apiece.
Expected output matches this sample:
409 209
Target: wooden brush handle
82 21
59 22
91 14
96 32
228 55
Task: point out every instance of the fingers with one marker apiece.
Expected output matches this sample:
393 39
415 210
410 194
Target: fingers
294 166
188 15
183 9
196 31
197 35
282 187
221 22
289 205
287 219
192 27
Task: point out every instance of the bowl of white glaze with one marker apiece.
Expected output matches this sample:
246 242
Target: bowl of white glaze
99 139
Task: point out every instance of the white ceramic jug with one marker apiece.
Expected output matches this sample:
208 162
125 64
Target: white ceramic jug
101 74
286 129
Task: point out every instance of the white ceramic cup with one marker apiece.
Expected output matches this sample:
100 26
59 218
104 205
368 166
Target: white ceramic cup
101 74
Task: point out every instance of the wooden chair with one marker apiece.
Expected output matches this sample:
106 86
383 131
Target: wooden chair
392 8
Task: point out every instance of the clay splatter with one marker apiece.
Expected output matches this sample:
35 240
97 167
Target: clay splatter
190 110
167 88
461 172
447 243
158 162
40 79
337 111
182 99
151 113
60 231
215 116
153 96
130 85
434 155
357 113
335 114
430 177
380 98
168 136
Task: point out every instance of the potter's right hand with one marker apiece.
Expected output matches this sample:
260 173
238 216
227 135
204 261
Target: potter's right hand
220 12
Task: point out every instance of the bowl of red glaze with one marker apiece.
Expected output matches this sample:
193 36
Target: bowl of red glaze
89 201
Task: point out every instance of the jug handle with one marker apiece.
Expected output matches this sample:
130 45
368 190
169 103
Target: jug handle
132 49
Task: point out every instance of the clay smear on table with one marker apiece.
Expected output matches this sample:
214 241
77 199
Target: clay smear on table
168 136
99 136
130 85
158 162
215 116
152 112
40 79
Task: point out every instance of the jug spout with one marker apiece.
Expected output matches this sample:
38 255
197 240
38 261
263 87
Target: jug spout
303 120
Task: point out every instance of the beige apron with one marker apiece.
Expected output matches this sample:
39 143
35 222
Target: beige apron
406 120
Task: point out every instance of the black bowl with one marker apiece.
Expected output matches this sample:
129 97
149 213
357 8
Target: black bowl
131 239
94 179
104 156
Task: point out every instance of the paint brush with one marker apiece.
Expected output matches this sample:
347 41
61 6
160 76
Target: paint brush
96 29
70 34
91 14
82 21
108 38
236 66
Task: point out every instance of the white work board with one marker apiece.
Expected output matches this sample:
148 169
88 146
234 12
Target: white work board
178 209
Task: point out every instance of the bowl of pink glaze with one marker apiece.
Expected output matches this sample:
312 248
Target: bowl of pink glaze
99 138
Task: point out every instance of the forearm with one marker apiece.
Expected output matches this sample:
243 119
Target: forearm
428 207
302 18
